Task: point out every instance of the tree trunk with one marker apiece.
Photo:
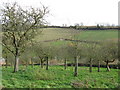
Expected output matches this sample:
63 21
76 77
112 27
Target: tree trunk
98 66
65 64
90 65
41 63
107 66
6 61
16 65
46 63
32 63
76 66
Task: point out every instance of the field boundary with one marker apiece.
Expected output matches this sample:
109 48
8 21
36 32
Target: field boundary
62 39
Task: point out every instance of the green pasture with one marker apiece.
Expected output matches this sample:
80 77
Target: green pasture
83 35
58 77
91 35
98 35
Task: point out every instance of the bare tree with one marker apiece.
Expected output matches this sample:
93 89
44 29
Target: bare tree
19 27
43 52
38 50
89 52
98 56
75 52
64 54
109 53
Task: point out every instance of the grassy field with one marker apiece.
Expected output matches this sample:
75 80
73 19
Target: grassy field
89 35
55 33
57 77
98 35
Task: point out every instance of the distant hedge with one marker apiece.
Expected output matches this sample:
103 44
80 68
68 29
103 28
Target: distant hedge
85 27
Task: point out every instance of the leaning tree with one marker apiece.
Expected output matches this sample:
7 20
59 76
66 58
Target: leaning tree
19 27
109 52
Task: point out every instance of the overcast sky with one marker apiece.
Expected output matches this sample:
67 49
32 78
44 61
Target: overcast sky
89 12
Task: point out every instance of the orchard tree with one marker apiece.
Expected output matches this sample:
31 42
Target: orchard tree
109 53
38 50
64 54
98 57
48 52
89 52
19 27
43 52
57 52
75 50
